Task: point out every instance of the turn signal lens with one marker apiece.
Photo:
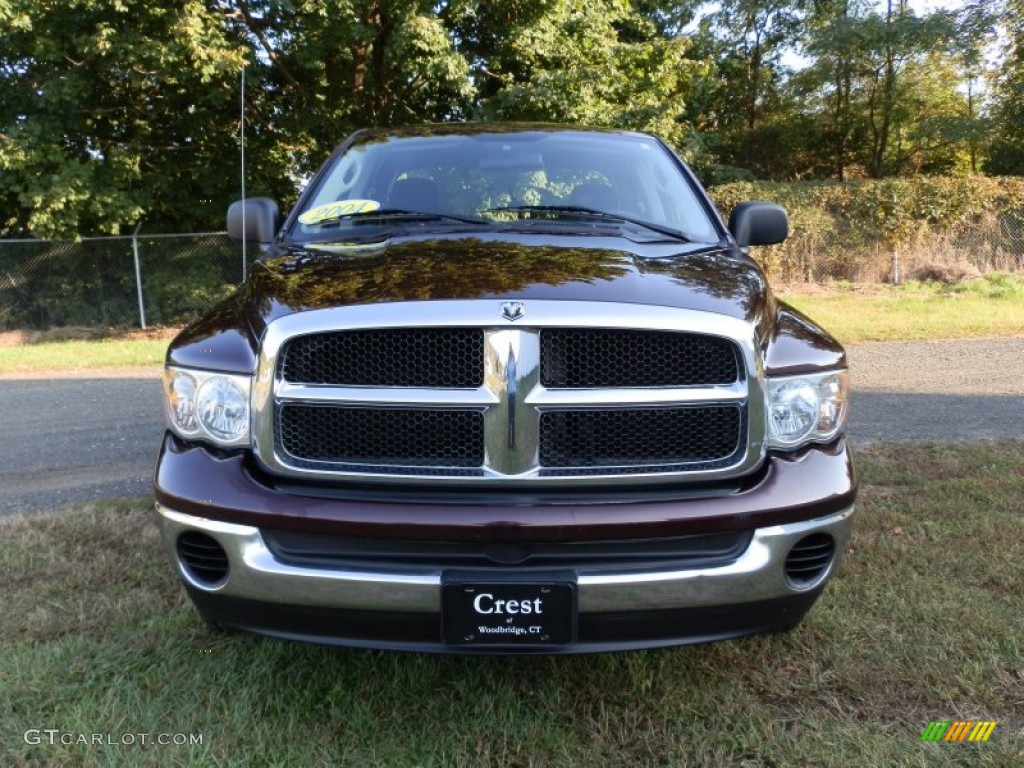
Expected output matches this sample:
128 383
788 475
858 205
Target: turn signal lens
181 401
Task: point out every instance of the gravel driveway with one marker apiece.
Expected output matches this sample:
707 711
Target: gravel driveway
967 391
78 439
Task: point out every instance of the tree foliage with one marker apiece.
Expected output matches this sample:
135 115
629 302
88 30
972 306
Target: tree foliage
116 114
592 62
110 110
1007 154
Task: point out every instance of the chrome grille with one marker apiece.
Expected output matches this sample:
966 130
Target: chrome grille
693 435
390 357
612 357
550 397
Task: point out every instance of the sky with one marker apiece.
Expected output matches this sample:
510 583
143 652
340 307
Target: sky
924 6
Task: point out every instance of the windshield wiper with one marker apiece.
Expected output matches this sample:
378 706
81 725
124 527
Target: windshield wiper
395 214
579 210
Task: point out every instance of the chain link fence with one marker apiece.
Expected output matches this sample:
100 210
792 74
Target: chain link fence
148 280
136 281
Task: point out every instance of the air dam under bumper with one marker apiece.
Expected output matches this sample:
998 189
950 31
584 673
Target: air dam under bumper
617 611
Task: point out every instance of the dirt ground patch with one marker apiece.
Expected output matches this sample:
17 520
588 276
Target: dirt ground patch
77 333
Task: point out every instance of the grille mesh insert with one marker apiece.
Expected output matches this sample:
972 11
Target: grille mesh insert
599 357
390 357
390 437
706 435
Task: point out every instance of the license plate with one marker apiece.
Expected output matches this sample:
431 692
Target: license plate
502 613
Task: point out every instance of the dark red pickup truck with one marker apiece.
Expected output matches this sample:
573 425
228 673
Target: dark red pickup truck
505 388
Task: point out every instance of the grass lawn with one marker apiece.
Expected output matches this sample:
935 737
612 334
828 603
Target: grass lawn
81 354
993 306
924 622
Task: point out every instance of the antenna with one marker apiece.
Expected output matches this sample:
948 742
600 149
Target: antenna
244 232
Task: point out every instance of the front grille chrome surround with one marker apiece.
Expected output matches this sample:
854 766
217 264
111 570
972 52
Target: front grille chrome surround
512 400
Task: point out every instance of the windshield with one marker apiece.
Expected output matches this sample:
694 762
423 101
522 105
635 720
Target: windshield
534 178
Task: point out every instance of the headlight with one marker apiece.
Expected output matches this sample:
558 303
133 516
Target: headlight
203 404
806 409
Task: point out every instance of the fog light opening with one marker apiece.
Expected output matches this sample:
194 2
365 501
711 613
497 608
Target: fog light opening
809 560
203 559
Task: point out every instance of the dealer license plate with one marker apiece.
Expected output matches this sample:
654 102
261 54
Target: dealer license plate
502 613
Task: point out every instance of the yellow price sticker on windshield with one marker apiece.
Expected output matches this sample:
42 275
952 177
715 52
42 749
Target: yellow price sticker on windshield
337 210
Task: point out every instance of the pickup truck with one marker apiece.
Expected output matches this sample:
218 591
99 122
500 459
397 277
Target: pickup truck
505 388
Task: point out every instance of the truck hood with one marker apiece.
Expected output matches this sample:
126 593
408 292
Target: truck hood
692 276
704 278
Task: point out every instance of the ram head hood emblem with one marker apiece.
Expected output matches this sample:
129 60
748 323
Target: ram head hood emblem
512 310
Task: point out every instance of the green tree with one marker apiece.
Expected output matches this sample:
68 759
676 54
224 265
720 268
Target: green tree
753 35
1006 154
874 86
330 66
976 29
932 129
595 62
114 113
896 38
830 85
120 112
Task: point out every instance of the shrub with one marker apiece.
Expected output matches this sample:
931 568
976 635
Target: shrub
856 230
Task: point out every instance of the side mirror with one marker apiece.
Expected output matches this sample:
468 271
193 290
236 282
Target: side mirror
260 220
756 223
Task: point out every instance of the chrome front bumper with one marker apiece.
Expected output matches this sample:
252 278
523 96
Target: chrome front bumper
254 574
